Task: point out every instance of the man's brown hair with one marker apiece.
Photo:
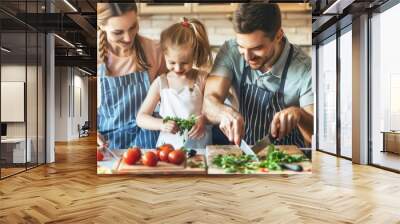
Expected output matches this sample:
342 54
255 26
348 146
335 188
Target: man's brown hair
250 17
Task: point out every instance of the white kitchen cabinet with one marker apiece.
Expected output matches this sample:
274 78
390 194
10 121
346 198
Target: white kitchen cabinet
294 7
214 7
164 8
14 150
169 8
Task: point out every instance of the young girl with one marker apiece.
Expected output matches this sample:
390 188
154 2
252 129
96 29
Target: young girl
180 91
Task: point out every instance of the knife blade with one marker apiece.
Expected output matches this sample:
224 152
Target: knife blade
247 150
262 144
294 167
105 148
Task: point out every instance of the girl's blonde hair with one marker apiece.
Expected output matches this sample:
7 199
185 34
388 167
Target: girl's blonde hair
189 32
104 12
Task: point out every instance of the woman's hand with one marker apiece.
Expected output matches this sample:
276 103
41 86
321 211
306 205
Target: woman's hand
170 127
101 141
198 128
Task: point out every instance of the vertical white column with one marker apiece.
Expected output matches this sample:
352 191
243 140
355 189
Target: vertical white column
314 88
360 90
50 93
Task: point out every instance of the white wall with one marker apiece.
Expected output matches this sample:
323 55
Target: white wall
79 117
34 125
297 26
16 73
61 103
67 115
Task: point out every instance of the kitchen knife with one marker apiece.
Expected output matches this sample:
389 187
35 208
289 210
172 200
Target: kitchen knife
247 150
262 144
294 167
105 148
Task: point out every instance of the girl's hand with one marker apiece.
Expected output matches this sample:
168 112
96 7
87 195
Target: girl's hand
170 127
198 129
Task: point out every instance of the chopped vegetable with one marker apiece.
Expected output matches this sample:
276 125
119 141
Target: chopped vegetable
233 163
275 157
245 163
194 164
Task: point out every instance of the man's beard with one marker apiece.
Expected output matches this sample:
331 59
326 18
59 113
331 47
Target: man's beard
264 62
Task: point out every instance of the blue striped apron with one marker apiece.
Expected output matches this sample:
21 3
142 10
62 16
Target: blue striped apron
258 107
121 97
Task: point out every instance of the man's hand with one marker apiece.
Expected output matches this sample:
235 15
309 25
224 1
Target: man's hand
285 121
232 125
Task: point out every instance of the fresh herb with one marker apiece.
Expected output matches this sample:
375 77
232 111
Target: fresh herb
233 163
193 164
275 157
183 124
245 163
185 149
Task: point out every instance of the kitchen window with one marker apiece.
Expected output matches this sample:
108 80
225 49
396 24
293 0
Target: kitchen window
346 72
327 96
385 89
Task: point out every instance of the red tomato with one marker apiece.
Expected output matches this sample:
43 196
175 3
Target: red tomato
166 146
132 155
164 154
176 157
100 155
149 159
158 153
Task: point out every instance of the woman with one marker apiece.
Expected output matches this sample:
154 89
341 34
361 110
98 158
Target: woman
127 64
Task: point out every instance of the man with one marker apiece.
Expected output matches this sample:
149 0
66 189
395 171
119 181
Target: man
271 77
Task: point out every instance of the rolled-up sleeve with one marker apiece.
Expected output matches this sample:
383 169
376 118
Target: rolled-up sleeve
306 91
223 64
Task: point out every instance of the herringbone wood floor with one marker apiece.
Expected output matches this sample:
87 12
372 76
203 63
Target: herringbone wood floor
69 191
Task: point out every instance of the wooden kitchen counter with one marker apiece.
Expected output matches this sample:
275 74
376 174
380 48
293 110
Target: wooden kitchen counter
70 191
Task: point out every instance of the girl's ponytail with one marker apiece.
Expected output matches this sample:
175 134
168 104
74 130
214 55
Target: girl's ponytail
191 33
202 49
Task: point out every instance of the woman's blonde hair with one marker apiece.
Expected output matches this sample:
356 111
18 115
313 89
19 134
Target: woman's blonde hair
104 12
189 32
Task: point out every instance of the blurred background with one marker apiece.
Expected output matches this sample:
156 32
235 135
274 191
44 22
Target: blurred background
217 17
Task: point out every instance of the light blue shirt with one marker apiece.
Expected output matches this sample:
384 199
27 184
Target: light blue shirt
298 86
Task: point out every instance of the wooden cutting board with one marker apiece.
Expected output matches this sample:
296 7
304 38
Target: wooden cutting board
214 150
162 167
